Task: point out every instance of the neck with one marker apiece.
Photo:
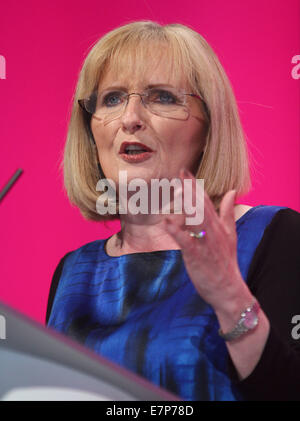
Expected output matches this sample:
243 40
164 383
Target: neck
144 233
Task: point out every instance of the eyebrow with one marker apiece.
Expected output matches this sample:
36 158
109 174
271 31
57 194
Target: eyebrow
149 86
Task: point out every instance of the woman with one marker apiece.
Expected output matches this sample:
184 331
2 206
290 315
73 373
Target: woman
203 310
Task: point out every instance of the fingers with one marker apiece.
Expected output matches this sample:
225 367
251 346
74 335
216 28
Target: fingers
227 210
212 221
182 237
208 210
178 227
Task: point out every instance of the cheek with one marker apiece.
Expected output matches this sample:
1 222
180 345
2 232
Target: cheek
170 133
102 135
179 136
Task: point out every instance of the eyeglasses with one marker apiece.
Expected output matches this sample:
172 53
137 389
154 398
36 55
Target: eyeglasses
165 102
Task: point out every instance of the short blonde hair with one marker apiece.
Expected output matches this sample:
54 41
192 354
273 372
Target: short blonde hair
225 161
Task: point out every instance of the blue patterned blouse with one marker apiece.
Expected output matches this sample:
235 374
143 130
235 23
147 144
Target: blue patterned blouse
142 311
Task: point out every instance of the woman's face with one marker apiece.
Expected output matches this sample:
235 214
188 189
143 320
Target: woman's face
174 143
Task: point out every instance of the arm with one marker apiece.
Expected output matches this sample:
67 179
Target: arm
212 267
274 279
211 263
246 350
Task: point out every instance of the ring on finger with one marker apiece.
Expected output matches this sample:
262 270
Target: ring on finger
198 235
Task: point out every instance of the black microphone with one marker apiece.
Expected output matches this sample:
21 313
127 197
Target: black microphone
10 183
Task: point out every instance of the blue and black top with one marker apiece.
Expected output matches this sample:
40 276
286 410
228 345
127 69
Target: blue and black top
142 311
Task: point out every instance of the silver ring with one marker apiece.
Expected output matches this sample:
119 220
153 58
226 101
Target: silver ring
200 234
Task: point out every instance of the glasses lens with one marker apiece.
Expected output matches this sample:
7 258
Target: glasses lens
108 105
167 102
90 103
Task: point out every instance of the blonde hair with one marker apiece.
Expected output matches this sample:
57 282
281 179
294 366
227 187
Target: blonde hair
225 161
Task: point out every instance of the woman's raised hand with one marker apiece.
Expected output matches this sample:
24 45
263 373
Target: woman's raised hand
211 261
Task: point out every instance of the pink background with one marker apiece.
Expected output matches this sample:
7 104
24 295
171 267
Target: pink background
44 44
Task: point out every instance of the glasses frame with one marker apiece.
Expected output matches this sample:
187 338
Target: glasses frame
82 102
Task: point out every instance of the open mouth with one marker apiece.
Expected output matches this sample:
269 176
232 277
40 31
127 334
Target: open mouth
134 148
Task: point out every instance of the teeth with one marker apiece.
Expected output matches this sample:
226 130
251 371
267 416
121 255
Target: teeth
134 152
134 148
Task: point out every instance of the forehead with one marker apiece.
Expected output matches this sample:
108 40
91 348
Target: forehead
136 70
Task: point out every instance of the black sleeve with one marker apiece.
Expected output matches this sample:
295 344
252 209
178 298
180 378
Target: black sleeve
274 279
54 285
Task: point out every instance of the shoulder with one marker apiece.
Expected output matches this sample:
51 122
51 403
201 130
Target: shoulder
88 251
54 284
262 215
255 220
240 210
263 224
274 274
277 218
284 228
279 245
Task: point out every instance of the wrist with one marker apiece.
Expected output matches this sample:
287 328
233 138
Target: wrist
248 321
231 310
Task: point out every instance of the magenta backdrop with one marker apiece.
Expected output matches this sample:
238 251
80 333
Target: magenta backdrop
43 45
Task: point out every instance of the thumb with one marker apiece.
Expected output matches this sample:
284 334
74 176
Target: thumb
227 209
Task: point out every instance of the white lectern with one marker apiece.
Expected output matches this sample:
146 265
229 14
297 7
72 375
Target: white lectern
37 363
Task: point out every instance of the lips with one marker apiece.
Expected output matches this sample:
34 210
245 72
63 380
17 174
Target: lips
135 152
133 146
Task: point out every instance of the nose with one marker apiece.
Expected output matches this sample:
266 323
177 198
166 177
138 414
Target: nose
133 115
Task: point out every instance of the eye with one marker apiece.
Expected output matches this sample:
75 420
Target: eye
112 99
162 96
